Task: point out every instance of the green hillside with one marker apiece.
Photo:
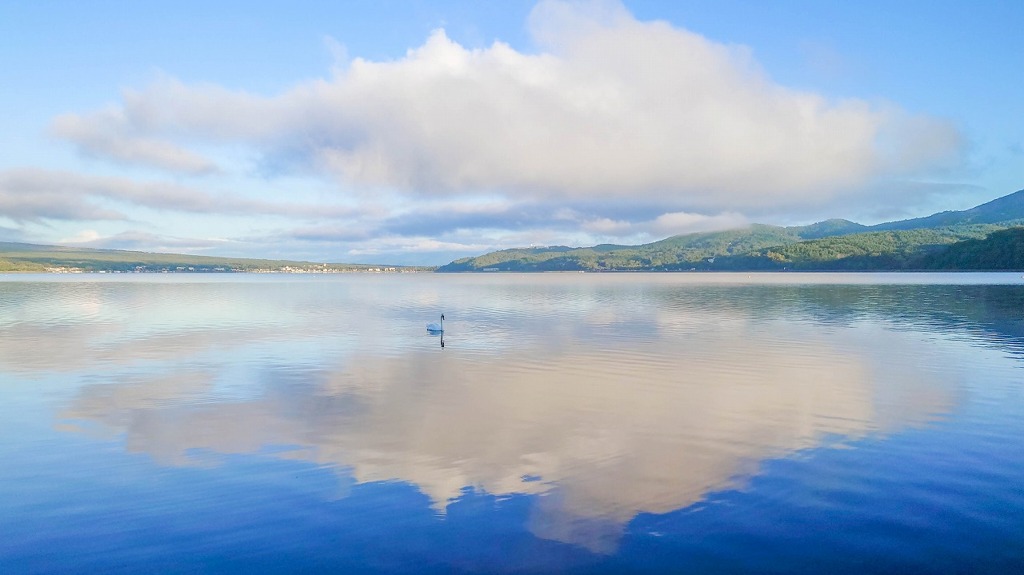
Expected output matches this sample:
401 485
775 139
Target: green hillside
677 252
888 250
1001 250
829 245
1007 210
7 266
987 237
19 257
834 227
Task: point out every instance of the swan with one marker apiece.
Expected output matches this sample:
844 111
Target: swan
436 327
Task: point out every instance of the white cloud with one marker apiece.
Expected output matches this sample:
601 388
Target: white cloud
668 224
610 108
82 237
28 194
412 245
34 195
107 134
608 226
138 240
682 222
609 130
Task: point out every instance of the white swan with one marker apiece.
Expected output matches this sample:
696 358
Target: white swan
436 327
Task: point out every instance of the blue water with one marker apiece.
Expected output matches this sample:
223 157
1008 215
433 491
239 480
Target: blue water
581 423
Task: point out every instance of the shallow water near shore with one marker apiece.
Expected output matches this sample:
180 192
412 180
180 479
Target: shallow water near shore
569 422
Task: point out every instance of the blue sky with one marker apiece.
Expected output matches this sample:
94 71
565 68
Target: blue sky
416 132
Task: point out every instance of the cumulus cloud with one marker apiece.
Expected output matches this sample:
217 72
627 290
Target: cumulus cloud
451 217
607 129
609 107
412 245
330 233
138 240
28 194
33 195
107 134
668 224
683 222
82 237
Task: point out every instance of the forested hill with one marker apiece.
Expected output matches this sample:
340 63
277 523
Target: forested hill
1007 210
1003 249
20 257
836 244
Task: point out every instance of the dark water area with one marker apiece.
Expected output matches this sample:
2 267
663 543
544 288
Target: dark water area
570 423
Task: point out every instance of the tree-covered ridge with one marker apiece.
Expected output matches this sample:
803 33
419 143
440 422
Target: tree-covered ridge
1001 250
755 248
18 257
887 250
7 265
1007 210
667 254
829 245
833 227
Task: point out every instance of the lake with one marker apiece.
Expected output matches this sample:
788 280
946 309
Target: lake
581 423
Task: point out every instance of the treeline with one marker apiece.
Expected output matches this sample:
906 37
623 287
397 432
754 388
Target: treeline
17 257
889 250
1001 250
967 239
770 248
677 252
7 266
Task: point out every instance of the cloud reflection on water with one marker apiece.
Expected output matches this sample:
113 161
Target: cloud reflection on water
598 430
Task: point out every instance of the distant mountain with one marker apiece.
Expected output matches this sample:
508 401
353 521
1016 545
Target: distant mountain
19 257
835 227
674 253
834 244
1007 210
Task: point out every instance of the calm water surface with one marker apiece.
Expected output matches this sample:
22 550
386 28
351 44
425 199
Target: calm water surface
569 423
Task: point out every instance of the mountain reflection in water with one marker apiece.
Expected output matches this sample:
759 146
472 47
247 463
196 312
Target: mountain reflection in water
602 401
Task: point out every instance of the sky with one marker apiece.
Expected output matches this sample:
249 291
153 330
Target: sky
416 132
